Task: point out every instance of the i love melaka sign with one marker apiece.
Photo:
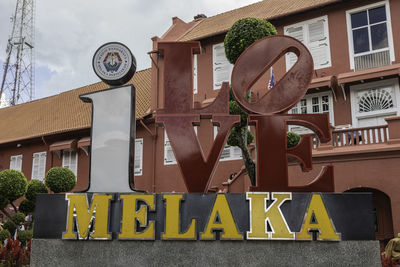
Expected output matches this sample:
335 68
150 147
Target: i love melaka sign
111 209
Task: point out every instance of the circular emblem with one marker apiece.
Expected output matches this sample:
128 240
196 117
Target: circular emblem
114 63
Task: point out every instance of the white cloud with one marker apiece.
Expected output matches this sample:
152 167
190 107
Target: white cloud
69 32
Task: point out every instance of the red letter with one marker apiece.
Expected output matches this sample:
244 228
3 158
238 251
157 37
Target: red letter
271 128
178 116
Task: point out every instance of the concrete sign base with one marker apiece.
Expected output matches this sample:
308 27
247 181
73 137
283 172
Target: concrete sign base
55 252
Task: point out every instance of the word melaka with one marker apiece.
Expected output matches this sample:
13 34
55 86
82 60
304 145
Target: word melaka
135 222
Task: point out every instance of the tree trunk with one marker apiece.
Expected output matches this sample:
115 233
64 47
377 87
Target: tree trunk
247 160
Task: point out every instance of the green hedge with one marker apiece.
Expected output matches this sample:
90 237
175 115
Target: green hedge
292 139
4 234
27 206
35 187
60 180
10 226
24 236
12 184
243 33
18 218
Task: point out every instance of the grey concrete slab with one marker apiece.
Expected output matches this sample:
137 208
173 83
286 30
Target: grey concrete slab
55 252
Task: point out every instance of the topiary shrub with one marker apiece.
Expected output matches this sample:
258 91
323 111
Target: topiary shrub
12 184
243 33
60 180
35 187
10 226
292 139
24 236
18 218
4 234
27 206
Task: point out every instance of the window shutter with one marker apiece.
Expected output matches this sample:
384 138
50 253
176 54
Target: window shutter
297 33
222 69
138 156
42 165
66 158
169 157
70 160
229 152
12 162
19 163
195 74
237 152
319 43
226 153
35 166
74 162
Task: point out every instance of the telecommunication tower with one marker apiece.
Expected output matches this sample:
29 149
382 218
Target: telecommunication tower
18 84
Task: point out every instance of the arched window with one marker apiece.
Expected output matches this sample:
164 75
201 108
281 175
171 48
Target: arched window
376 99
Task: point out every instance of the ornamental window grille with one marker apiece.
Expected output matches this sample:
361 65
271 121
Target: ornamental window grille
376 99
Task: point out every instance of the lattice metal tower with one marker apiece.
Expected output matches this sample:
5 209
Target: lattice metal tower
18 83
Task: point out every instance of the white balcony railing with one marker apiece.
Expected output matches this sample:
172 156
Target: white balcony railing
373 60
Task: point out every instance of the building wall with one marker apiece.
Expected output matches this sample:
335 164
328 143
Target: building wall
27 148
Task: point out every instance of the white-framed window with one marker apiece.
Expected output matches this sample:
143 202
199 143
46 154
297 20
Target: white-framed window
372 102
222 68
313 104
138 156
16 162
194 74
169 157
314 34
39 166
370 36
229 152
70 160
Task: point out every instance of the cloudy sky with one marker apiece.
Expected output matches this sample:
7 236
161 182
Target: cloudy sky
69 32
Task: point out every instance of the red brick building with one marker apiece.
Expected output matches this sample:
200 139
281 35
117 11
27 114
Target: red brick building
356 50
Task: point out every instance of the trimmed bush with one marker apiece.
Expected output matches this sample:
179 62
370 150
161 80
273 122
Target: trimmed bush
4 234
27 206
24 236
12 184
10 226
18 218
292 139
243 33
60 180
35 187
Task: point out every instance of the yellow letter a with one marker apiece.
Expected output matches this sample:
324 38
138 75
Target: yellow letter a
322 222
221 218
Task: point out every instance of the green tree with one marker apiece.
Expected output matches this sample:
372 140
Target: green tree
35 187
60 180
241 35
12 186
